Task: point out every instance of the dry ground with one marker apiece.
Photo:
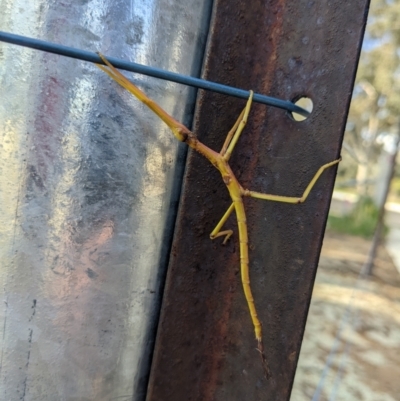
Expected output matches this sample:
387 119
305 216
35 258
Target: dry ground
371 334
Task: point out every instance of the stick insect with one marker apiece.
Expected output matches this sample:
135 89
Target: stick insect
221 162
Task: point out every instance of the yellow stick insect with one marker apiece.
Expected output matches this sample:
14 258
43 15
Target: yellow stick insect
236 191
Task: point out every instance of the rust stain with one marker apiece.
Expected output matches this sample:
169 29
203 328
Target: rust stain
215 358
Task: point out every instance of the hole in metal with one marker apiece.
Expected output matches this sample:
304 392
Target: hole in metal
306 103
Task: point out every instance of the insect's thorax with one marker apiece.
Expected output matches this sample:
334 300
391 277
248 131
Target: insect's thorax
231 182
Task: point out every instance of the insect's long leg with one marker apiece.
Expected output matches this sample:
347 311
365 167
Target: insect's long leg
228 233
239 129
179 130
231 133
292 199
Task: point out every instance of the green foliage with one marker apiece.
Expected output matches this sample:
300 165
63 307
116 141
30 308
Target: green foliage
395 188
379 65
375 107
361 221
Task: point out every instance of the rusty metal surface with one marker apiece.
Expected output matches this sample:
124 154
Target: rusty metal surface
205 348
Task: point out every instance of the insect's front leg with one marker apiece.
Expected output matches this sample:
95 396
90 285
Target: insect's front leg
235 132
179 130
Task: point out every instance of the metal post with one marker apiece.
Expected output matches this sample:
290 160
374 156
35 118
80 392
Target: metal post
205 348
88 194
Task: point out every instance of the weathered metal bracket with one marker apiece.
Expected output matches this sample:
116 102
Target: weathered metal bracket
205 348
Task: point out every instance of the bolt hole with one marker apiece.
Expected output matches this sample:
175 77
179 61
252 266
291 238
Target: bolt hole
306 103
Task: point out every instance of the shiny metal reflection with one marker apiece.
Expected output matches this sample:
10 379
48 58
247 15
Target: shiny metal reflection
87 195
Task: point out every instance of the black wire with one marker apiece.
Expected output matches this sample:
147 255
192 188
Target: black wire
151 71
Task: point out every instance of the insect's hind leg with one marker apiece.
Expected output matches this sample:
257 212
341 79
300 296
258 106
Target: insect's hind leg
217 230
235 132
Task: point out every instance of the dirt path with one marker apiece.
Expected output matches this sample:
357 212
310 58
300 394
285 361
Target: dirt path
371 363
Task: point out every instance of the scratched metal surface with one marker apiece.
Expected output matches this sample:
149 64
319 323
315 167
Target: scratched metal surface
87 195
205 348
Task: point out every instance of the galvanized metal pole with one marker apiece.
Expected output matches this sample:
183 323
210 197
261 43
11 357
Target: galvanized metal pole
205 349
88 194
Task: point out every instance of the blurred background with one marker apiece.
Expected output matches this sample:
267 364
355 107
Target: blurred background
351 347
